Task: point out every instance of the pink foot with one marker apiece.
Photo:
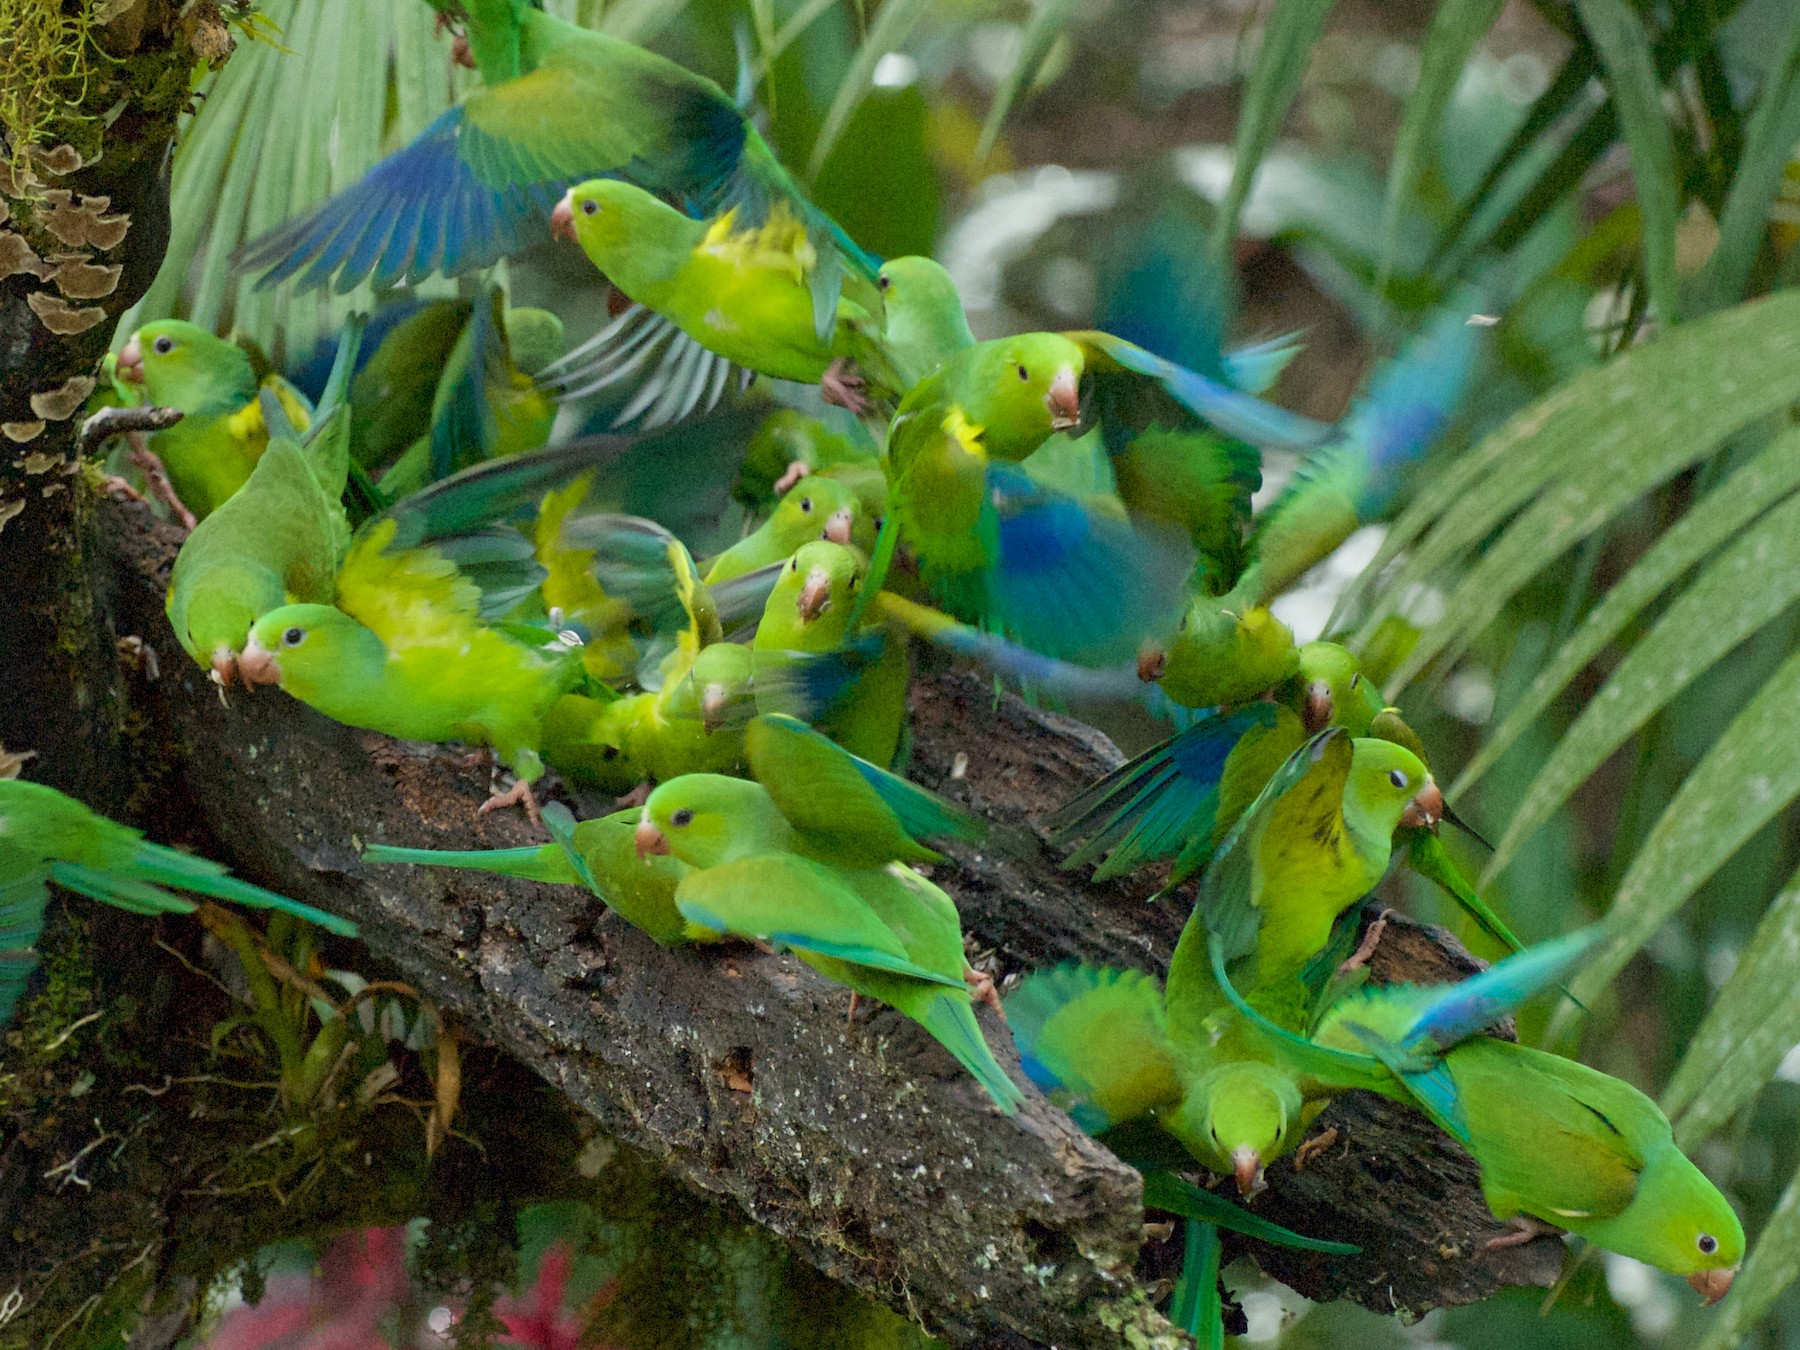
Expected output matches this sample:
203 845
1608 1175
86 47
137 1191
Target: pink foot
636 797
796 470
156 478
983 990
1523 1229
840 384
519 794
1366 949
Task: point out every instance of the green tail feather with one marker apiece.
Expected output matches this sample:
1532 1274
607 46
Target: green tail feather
537 862
167 867
1195 1306
952 1022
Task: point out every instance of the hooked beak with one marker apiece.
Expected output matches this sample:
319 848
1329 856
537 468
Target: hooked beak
1712 1285
562 219
815 596
224 665
1152 661
1426 809
130 363
837 525
712 705
649 840
1064 400
1246 1166
257 665
1317 713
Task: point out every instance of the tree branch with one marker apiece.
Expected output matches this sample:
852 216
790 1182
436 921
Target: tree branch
866 1149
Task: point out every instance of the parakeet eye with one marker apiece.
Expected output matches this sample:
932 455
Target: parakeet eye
682 817
1024 374
293 637
806 503
164 344
590 207
1397 778
883 281
1707 1243
609 752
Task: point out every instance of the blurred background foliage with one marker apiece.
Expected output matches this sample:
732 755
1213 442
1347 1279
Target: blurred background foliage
1586 605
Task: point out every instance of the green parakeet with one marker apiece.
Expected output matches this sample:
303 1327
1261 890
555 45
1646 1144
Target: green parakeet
276 541
600 854
559 104
788 444
46 837
878 927
817 507
808 615
209 453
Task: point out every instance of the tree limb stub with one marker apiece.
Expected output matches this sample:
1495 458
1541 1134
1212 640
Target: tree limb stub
868 1149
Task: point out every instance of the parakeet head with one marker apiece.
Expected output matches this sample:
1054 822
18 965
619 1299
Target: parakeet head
707 819
535 337
922 306
181 365
1237 1117
1019 390
1388 788
816 588
715 690
1679 1222
607 217
818 507
1334 691
306 649
214 618
590 739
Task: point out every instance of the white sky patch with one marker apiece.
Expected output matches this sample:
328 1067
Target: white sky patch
1307 607
1643 1294
1015 209
896 70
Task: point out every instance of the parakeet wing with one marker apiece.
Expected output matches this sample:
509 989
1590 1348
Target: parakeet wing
794 902
1095 1040
670 375
823 788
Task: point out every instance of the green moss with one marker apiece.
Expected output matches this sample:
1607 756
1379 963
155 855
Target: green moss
44 72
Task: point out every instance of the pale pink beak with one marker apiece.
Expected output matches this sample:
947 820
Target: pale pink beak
1318 711
1152 661
649 840
1064 400
1426 809
1246 1166
1712 1285
837 525
712 705
257 665
815 596
224 665
562 219
460 55
130 364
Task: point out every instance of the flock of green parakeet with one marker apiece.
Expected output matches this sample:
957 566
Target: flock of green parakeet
391 542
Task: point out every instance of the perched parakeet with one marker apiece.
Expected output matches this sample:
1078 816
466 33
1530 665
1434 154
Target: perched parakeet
824 883
860 700
1178 799
817 507
46 836
788 444
210 452
600 854
276 541
559 104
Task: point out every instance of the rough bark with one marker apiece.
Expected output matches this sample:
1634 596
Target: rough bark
865 1148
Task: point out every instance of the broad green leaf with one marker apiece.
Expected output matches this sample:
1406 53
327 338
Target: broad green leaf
1749 1029
1630 65
1750 775
1289 36
1773 1264
1455 29
1048 18
893 24
1595 443
1724 511
1746 586
1769 141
